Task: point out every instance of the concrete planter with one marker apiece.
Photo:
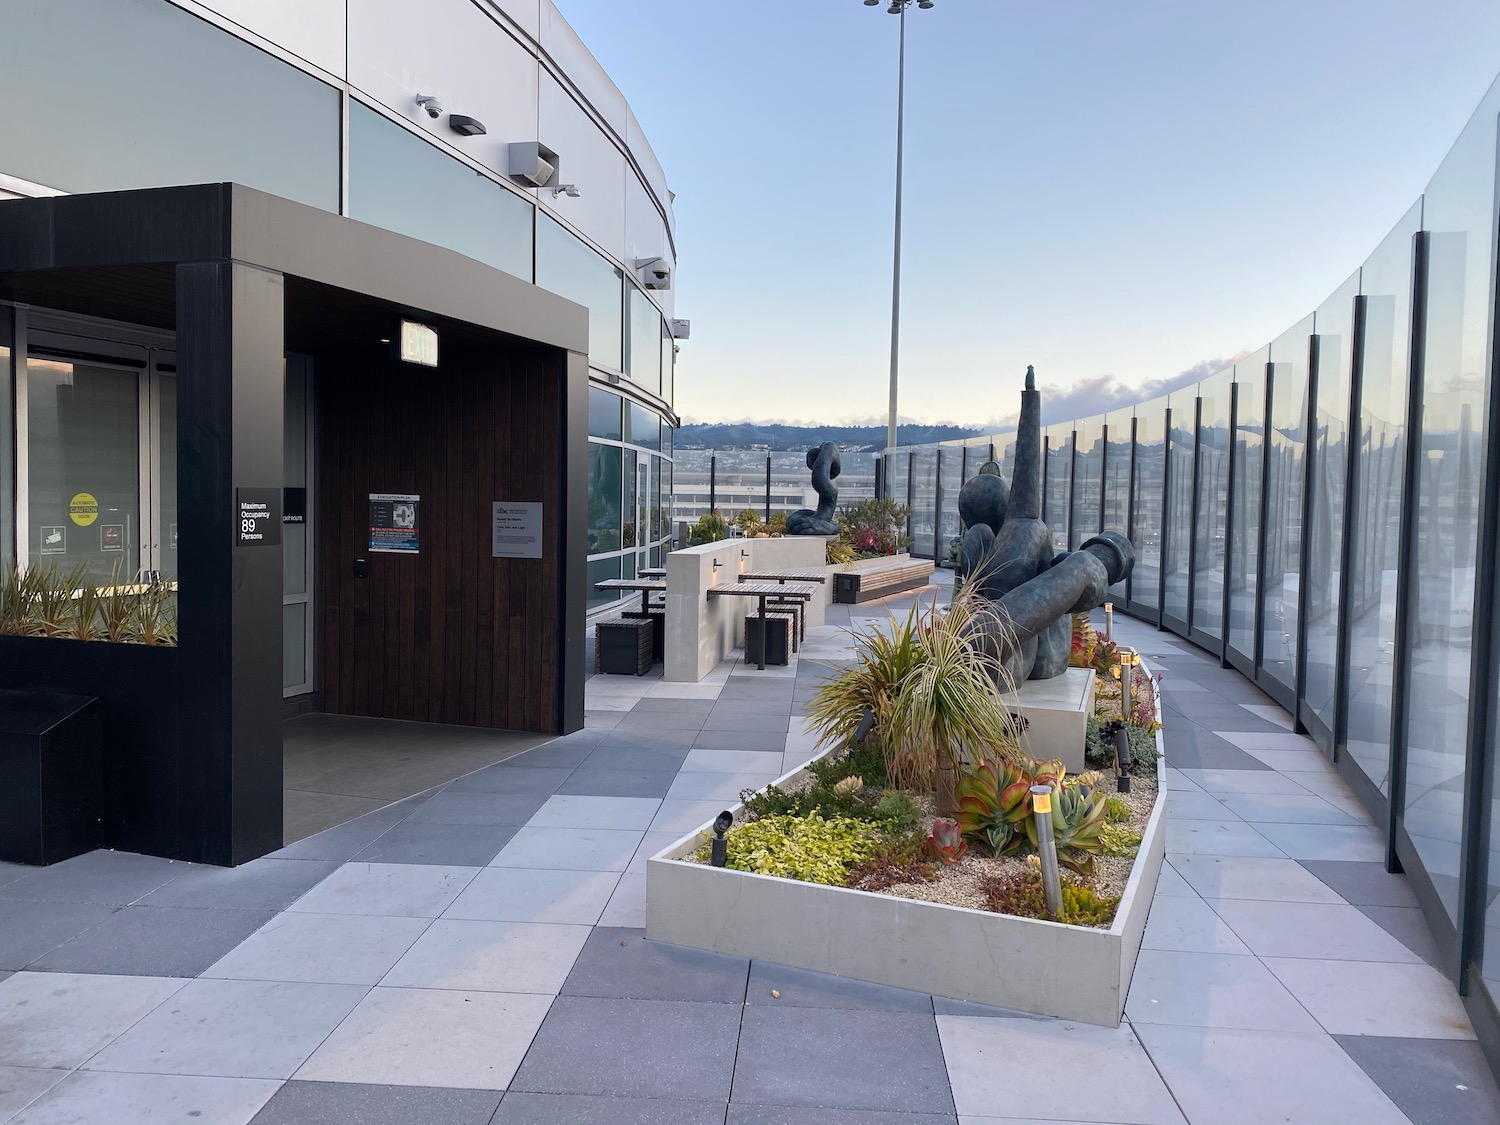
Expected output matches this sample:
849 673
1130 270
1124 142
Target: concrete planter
1029 964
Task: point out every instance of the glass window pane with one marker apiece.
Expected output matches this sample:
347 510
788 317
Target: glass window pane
1059 487
1088 485
133 95
644 427
1375 513
643 341
7 428
570 269
1146 530
923 501
1459 215
1330 463
294 475
294 644
628 475
1212 504
1177 544
165 532
604 414
1285 469
400 182
668 362
84 466
602 570
1244 528
604 498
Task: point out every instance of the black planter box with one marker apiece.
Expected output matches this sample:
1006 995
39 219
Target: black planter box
52 763
778 629
625 646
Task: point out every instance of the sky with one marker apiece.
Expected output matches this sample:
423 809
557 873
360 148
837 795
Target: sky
1117 193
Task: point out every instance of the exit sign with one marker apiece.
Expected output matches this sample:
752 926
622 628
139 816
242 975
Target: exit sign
418 344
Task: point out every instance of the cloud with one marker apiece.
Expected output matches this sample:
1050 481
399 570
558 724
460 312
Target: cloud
1104 393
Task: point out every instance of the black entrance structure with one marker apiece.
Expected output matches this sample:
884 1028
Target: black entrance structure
193 733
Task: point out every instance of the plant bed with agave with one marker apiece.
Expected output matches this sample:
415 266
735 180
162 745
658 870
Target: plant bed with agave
910 859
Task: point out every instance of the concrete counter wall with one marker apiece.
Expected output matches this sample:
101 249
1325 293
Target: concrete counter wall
702 631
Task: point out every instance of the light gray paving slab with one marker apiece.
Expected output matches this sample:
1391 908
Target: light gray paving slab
1326 841
651 844
741 1113
1231 1077
1372 998
521 1108
1217 837
263 884
106 877
393 889
1211 990
61 1019
1432 1081
22 1085
321 948
627 906
147 1099
991 1062
724 788
1198 805
681 817
1308 929
572 849
1179 782
733 762
1223 782
564 811
153 941
1188 923
1251 877
1169 884
232 1029
1285 808
430 1037
535 895
490 956
357 1103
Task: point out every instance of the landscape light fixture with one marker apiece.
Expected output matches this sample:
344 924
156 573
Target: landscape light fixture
719 852
897 8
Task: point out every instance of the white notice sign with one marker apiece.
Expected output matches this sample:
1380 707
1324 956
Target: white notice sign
516 530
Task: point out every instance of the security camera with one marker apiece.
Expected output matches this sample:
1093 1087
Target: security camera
656 273
430 103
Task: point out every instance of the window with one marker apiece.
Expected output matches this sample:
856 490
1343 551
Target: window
604 414
645 427
570 269
643 351
604 498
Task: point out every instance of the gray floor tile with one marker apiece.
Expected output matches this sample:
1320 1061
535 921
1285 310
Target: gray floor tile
353 1103
618 783
1285 808
633 1048
743 1114
800 1056
992 1064
571 849
651 723
22 1085
803 988
627 906
148 1099
741 740
1409 926
515 894
1303 929
232 1029
263 884
1217 837
1363 884
1374 998
430 1037
154 941
1432 1081
110 878
761 719
1248 877
515 780
321 948
10 872
453 845
620 963
945 1006
1212 990
477 808
341 842
666 703
30 929
1326 841
580 811
520 1108
653 759
1189 924
1225 1077
669 738
478 956
59 1020
395 889
1209 753
565 753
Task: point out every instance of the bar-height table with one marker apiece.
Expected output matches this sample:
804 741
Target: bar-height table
798 591
652 572
647 587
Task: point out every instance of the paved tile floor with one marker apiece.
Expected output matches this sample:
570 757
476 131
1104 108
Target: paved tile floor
476 954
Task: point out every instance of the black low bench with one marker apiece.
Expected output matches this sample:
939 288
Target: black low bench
51 776
897 576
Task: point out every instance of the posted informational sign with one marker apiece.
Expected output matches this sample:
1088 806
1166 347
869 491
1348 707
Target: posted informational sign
395 523
111 537
516 530
257 519
83 509
294 505
54 540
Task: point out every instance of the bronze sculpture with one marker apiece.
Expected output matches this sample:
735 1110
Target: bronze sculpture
823 460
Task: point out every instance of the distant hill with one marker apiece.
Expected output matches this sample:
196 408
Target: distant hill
750 435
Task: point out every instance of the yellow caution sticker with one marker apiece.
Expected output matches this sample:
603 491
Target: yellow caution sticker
83 509
1041 802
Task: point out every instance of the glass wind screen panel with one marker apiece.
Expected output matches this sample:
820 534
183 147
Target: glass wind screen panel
604 498
7 428
165 498
948 514
643 341
1088 482
644 427
141 94
1286 465
294 475
1329 450
924 496
1177 545
570 269
83 468
604 414
294 644
896 466
1459 215
1375 509
1059 482
1146 524
1244 504
1212 504
400 182
602 570
1117 480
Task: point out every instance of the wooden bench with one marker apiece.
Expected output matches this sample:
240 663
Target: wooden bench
897 576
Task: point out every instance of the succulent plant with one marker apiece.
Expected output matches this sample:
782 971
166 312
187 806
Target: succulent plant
945 841
1078 817
992 803
849 785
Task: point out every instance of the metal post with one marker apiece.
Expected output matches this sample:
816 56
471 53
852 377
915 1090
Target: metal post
896 254
713 498
768 488
1041 810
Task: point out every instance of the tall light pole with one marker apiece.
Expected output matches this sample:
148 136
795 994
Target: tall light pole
897 8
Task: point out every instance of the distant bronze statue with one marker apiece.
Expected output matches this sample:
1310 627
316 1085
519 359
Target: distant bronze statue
823 460
1007 553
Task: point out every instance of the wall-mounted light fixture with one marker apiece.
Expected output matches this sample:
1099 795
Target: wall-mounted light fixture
572 191
466 126
533 163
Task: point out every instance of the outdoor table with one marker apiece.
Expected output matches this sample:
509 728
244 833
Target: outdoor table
819 576
647 587
652 572
800 591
